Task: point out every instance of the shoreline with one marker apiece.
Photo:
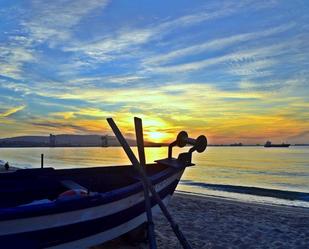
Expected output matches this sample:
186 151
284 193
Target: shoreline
215 223
146 145
232 200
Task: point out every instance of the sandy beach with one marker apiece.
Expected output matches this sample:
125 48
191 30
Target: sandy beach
218 223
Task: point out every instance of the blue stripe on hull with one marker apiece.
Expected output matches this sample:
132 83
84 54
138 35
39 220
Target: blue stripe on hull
64 234
60 207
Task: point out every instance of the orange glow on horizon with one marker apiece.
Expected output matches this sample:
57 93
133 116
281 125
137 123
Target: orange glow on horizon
164 115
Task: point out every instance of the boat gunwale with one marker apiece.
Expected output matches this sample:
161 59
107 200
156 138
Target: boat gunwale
58 206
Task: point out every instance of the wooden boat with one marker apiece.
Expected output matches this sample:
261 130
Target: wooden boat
81 207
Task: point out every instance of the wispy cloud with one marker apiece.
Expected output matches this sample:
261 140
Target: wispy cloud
212 11
9 112
122 79
111 46
225 67
216 44
53 21
243 56
82 112
12 59
101 50
302 135
253 69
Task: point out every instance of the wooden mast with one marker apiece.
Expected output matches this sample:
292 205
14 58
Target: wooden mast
141 152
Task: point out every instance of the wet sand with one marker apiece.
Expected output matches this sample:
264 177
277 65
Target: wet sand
219 223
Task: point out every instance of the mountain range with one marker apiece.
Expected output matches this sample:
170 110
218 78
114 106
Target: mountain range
67 140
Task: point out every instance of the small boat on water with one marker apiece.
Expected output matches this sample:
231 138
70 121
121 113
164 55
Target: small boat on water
82 207
268 144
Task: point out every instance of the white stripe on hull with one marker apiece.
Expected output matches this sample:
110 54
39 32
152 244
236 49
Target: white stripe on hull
111 233
60 219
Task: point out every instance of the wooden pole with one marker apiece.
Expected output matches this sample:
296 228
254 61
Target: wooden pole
185 244
42 161
141 152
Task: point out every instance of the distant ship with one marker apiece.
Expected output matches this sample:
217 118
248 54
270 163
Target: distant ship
268 144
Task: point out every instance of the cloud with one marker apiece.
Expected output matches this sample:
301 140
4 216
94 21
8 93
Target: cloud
112 81
110 47
122 79
11 111
42 22
235 58
222 68
53 21
196 105
212 11
180 98
12 59
216 44
82 112
101 50
170 108
300 135
62 127
253 69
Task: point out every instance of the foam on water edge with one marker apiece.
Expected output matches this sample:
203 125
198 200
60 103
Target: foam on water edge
252 198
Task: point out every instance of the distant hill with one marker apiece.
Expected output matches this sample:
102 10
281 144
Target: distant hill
66 140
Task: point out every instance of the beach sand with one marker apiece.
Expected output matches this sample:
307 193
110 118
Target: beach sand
218 223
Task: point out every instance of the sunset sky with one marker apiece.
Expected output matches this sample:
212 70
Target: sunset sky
236 71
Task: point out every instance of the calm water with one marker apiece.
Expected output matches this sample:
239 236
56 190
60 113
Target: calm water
273 168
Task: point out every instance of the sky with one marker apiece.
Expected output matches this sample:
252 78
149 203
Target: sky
236 71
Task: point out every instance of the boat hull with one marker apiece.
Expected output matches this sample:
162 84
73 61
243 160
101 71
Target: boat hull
86 227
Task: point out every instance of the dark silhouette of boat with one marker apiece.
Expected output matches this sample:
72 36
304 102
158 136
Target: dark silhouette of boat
81 207
268 144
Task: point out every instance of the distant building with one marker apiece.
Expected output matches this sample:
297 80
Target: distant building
52 140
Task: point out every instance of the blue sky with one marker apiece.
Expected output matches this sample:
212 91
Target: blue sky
235 70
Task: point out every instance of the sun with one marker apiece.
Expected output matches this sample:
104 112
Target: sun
155 136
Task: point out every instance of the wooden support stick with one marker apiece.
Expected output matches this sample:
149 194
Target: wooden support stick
141 152
42 161
185 244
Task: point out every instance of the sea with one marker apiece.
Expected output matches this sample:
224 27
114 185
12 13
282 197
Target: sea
277 176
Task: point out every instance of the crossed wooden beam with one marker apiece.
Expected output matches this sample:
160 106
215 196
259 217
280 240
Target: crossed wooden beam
139 166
